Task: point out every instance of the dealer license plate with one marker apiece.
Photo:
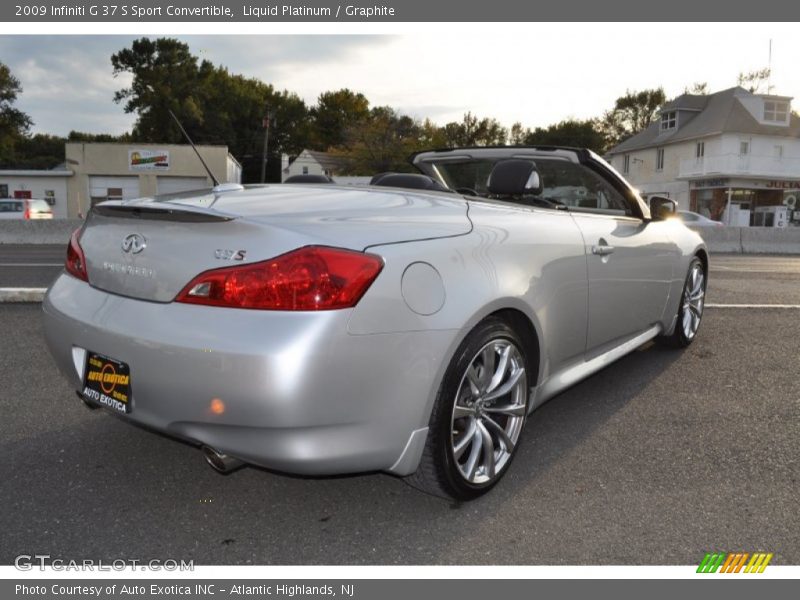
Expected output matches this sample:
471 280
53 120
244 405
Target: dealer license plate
107 382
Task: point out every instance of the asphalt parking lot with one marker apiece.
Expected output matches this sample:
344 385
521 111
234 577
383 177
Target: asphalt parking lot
658 459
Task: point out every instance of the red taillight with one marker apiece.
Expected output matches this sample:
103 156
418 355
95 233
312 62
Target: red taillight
27 214
76 262
311 278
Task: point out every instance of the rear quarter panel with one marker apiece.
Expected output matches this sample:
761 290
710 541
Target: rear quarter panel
517 258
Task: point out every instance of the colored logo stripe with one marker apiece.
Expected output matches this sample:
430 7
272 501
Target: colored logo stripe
711 562
734 562
758 563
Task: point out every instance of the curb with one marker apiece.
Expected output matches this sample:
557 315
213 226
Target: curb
22 294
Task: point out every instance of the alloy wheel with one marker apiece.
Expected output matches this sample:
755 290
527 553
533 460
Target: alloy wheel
489 411
694 294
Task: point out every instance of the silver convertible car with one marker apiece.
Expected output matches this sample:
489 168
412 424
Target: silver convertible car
410 326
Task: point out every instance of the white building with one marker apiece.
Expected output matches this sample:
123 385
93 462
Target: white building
310 162
95 172
50 185
110 171
708 151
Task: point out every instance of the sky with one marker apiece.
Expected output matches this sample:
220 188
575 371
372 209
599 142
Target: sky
537 74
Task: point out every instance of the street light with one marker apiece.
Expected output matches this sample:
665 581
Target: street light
269 119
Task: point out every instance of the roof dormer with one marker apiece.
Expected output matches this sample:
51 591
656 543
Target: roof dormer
768 109
777 110
669 120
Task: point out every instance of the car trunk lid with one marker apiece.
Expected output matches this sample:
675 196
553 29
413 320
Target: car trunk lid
150 249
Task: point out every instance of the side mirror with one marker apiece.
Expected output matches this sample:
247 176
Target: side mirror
662 208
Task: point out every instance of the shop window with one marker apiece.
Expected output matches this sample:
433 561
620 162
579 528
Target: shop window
659 159
703 202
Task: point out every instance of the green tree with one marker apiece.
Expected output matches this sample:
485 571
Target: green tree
99 138
166 76
380 142
472 131
430 136
631 114
570 132
333 114
39 151
518 134
14 124
214 105
44 151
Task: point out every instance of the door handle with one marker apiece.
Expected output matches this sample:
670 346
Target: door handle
602 249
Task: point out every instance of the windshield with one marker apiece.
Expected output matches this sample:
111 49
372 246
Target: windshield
467 175
564 184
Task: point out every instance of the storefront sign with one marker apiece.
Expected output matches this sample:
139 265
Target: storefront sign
711 183
747 184
148 160
783 185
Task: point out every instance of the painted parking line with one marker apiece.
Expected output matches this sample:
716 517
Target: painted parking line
22 294
791 271
711 305
34 264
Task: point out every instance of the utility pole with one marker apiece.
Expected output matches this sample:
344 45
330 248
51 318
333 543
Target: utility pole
269 116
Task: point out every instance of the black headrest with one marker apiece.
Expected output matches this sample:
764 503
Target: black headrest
413 181
376 178
514 177
308 178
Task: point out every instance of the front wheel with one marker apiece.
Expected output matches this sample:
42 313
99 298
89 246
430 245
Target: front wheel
478 417
690 310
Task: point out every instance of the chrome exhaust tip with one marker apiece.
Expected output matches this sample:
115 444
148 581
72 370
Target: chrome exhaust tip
222 463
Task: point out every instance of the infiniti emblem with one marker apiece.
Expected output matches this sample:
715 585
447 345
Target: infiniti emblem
134 243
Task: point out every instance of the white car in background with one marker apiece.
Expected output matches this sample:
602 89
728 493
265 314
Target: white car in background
22 208
694 219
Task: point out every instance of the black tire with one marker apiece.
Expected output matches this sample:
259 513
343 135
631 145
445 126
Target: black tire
439 472
679 337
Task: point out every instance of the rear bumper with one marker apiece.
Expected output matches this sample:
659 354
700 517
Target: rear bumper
301 394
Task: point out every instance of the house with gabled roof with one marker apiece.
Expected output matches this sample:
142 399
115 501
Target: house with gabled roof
312 162
725 155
